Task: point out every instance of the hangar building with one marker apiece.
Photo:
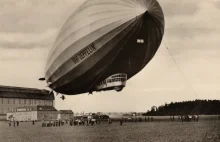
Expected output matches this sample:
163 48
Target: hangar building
14 97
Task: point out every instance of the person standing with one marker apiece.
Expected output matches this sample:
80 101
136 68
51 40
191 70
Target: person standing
9 123
197 118
152 119
87 122
109 121
121 122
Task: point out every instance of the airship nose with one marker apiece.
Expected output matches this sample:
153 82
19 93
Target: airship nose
147 15
149 8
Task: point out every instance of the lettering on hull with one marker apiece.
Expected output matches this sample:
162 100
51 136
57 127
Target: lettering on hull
84 53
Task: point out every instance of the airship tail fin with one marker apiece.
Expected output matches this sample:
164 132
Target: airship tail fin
42 79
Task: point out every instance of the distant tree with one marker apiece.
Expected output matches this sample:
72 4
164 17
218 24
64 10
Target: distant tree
207 107
154 108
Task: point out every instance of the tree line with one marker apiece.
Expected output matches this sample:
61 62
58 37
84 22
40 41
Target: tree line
196 107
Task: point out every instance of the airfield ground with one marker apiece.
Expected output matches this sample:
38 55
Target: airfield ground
142 131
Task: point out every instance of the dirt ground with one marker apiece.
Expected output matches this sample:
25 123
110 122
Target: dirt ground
142 131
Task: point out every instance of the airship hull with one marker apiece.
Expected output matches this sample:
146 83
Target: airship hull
125 47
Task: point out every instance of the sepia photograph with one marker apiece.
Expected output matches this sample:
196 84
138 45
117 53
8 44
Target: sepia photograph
109 70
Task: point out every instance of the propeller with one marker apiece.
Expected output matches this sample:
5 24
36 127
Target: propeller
63 97
90 93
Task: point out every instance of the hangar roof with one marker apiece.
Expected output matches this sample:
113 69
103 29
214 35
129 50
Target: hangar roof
25 93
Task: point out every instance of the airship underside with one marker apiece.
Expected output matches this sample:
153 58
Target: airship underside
103 53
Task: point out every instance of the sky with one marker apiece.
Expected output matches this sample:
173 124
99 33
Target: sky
189 70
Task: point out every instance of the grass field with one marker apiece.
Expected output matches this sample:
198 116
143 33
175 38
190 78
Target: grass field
142 131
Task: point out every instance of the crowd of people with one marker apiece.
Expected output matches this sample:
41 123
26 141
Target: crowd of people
72 122
14 123
91 122
87 122
186 118
53 123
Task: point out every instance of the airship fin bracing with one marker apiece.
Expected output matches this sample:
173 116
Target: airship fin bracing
103 44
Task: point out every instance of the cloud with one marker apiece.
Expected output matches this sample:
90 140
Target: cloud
201 23
216 3
177 8
27 40
31 24
34 15
23 73
36 54
28 24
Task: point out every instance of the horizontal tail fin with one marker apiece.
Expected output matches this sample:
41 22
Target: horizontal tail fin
42 79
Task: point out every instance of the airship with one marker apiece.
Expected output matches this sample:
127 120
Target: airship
103 44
